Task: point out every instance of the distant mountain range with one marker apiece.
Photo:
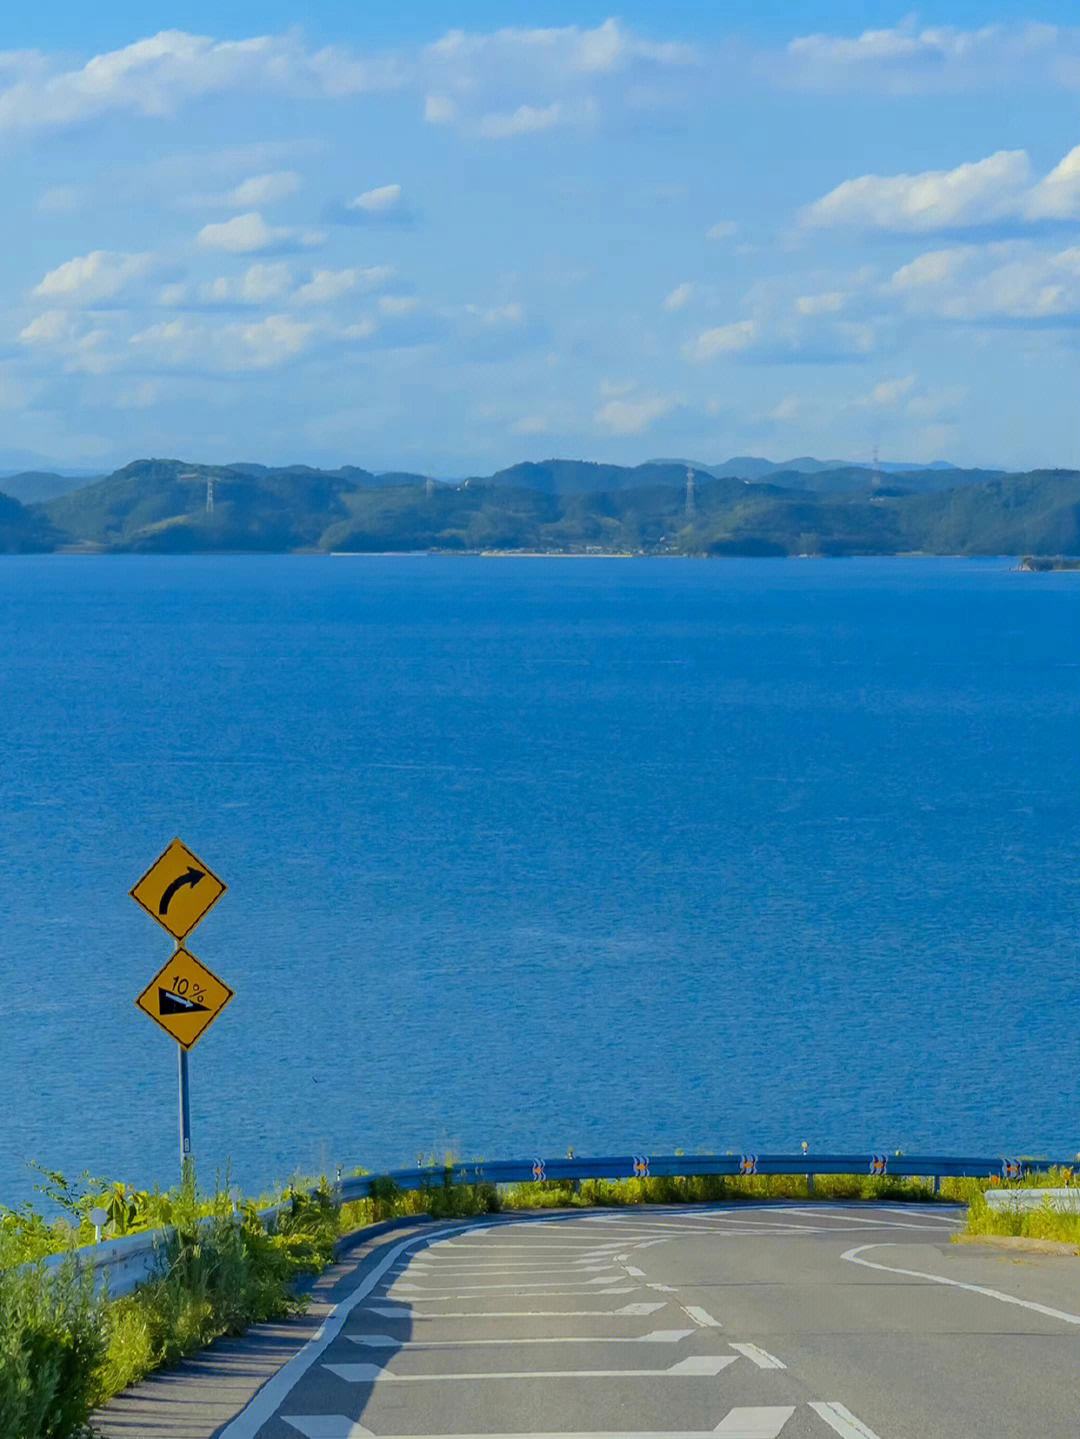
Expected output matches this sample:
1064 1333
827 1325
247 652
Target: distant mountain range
802 506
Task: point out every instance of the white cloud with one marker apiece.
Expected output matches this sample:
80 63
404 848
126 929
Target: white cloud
973 194
515 81
60 200
325 286
830 302
1057 195
530 425
568 49
80 345
1004 282
935 267
888 394
259 345
525 120
634 416
91 279
722 340
385 202
722 230
249 234
909 58
984 192
262 190
439 110
398 305
787 411
156 76
680 297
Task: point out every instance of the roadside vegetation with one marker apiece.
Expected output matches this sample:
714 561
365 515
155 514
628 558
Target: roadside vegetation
1042 1222
65 1350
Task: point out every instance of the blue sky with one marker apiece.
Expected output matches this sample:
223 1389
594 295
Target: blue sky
450 239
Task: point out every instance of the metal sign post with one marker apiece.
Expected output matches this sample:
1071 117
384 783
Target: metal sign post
185 1109
177 891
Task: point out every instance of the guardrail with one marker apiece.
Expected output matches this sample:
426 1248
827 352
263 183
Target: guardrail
122 1265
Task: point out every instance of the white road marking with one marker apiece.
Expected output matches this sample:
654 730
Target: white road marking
582 1267
843 1421
635 1273
858 1219
553 1294
657 1336
270 1397
663 1288
756 1423
519 1284
628 1311
700 1366
701 1317
761 1357
852 1257
751 1423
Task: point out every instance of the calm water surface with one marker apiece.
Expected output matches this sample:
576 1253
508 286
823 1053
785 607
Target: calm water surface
526 854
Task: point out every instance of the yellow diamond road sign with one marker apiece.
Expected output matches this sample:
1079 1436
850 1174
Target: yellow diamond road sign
184 998
178 890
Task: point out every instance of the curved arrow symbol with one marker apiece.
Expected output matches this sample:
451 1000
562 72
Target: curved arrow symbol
193 877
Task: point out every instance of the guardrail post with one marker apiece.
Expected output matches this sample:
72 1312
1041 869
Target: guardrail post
809 1184
937 1183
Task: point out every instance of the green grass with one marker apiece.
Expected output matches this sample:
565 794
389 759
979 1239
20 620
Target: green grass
1040 1223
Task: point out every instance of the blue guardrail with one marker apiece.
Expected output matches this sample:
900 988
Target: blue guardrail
643 1166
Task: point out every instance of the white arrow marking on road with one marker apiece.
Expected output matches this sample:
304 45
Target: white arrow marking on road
761 1357
843 1421
753 1423
700 1366
657 1336
628 1311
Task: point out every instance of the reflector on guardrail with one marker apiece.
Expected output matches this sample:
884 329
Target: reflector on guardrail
748 1164
538 1169
1012 1169
879 1164
641 1167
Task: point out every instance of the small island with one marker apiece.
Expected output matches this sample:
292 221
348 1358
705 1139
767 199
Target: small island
1040 564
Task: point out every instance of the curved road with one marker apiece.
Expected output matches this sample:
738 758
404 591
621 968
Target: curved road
744 1322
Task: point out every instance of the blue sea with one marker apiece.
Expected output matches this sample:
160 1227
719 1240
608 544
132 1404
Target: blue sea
528 854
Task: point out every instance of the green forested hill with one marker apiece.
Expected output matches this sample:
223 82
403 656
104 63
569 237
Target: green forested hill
23 531
160 506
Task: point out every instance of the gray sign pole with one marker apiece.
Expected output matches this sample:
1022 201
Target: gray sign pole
185 1111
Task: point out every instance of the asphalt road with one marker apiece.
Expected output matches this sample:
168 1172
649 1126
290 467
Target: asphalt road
794 1322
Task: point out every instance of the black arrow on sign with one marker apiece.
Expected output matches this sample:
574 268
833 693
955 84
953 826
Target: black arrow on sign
193 877
170 1003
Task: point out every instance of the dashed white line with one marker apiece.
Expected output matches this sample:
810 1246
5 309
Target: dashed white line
634 1272
843 1421
761 1357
